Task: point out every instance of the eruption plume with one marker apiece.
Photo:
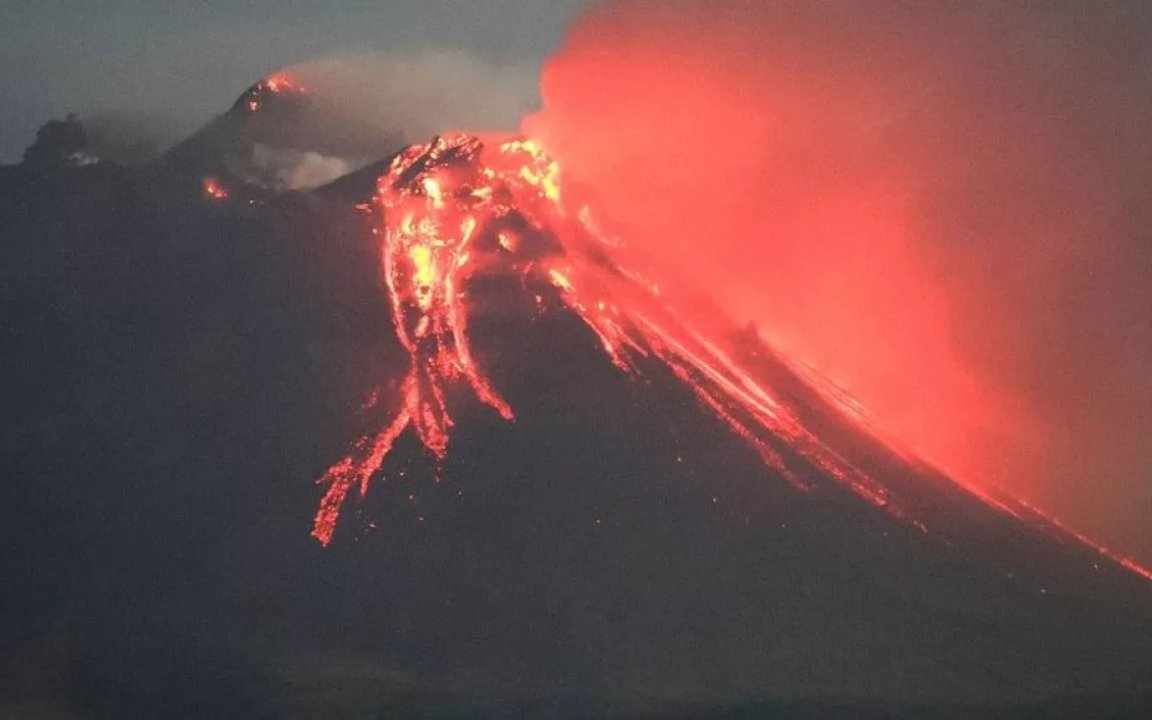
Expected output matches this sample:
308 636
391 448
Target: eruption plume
944 207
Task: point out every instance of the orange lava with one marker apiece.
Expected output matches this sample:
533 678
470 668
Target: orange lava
454 206
281 83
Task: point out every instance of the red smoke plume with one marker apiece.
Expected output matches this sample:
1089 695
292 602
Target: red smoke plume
943 207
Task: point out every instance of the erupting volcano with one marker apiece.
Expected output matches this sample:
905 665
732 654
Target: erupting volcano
571 479
459 208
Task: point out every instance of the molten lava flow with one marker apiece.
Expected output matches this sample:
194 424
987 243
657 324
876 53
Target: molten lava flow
427 228
451 206
456 207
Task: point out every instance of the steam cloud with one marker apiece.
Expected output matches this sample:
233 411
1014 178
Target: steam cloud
361 108
943 206
287 169
421 93
366 106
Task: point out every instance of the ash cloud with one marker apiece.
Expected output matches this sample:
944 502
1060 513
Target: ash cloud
946 207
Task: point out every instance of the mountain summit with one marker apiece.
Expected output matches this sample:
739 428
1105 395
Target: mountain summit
278 135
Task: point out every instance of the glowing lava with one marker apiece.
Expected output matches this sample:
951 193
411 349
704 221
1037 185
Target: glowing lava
453 206
275 85
457 207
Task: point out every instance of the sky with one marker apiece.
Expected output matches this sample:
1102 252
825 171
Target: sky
178 64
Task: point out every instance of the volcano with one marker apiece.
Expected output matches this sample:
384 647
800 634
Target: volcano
543 490
479 248
278 135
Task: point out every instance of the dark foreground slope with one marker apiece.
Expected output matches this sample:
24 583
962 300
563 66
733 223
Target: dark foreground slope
177 371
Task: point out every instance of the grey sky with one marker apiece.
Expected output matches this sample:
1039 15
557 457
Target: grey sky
183 62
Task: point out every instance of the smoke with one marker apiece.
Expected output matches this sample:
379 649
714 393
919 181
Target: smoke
355 109
417 94
943 206
288 169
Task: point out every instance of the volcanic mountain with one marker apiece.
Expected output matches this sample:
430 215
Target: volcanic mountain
279 135
479 249
558 495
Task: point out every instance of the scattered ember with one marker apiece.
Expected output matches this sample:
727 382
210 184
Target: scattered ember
1054 524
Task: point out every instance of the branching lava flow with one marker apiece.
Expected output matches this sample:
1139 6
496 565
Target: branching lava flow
435 202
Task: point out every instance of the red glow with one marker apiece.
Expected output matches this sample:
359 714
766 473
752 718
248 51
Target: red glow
214 190
1138 569
919 205
281 83
278 84
782 220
